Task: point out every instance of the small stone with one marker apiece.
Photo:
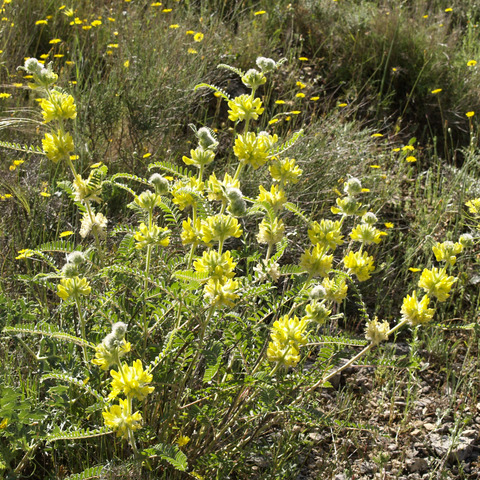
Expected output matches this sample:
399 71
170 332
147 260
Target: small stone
417 465
457 452
429 426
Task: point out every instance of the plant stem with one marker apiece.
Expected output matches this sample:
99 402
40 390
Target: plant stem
82 326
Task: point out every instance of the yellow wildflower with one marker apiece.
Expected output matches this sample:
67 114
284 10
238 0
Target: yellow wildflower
131 381
416 312
360 264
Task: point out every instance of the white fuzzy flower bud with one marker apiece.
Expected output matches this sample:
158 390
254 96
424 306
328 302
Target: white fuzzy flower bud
466 240
370 218
318 292
267 65
352 186
33 66
206 138
160 183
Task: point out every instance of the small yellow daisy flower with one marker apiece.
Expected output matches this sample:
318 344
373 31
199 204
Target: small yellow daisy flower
437 90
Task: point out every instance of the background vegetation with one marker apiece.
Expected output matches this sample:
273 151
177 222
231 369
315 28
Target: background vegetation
359 78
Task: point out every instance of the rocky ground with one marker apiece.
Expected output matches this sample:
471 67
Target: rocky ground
401 423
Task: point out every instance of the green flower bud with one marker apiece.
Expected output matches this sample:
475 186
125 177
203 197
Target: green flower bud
466 240
119 329
77 258
69 270
253 78
148 200
237 207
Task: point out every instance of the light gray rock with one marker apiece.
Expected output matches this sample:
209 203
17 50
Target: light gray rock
417 465
456 450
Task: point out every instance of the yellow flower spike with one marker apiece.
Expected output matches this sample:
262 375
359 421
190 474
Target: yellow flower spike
287 356
244 107
72 287
221 292
191 232
105 357
271 232
447 251
217 190
347 206
416 312
289 330
473 206
367 234
218 228
316 312
436 282
58 107
118 418
57 146
327 233
285 171
199 157
360 264
377 331
275 197
151 236
131 381
182 440
288 335
216 265
148 200
315 261
252 149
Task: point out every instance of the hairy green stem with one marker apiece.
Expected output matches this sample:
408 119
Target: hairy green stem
82 325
